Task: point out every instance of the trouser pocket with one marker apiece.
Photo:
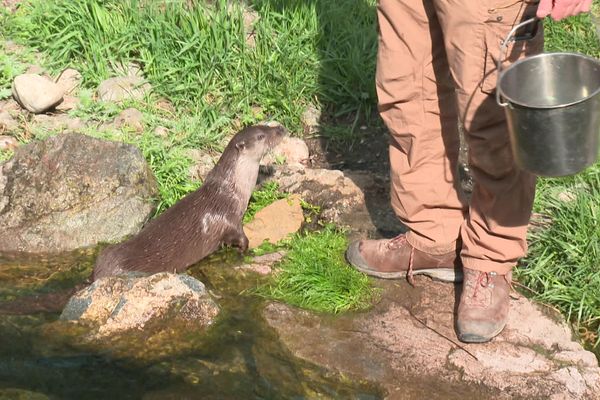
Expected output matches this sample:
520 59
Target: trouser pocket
502 16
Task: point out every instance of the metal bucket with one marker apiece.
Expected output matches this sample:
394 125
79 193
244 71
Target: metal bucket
552 104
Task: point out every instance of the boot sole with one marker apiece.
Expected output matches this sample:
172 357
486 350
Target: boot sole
473 338
440 274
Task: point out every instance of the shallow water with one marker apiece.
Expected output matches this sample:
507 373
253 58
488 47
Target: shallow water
239 358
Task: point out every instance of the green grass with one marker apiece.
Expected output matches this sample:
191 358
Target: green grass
11 65
576 34
198 56
314 275
563 265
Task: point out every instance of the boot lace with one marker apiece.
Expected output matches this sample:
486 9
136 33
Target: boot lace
477 293
397 242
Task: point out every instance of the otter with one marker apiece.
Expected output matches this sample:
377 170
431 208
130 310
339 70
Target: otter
202 221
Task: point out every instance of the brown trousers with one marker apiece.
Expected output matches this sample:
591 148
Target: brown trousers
436 65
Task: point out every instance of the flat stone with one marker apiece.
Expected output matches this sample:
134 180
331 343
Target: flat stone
335 192
123 88
10 46
131 119
36 93
408 340
262 265
275 222
165 106
357 200
11 106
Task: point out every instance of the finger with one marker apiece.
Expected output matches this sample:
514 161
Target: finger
578 10
577 7
570 10
585 6
561 9
544 8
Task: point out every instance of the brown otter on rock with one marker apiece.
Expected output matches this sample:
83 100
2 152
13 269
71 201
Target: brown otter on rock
202 221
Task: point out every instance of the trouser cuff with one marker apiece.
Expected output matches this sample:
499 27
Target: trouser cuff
501 268
429 248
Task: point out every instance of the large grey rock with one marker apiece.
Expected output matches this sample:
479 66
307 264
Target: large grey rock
408 342
72 191
122 88
36 93
122 303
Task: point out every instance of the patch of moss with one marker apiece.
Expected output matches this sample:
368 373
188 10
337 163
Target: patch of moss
314 275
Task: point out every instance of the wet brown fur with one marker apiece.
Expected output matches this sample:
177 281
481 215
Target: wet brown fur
202 221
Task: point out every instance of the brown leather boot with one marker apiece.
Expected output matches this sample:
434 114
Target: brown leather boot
396 258
483 307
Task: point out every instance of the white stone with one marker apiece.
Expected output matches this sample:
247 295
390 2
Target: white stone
36 93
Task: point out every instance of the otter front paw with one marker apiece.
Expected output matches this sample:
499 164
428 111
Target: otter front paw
242 244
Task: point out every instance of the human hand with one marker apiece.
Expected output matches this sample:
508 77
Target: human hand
559 9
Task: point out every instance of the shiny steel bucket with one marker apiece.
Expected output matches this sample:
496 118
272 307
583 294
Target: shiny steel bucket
552 104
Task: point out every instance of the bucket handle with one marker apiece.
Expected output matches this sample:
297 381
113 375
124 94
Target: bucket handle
504 45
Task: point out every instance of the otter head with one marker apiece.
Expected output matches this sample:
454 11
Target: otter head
256 140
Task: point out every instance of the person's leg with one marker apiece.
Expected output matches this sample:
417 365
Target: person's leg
494 233
417 103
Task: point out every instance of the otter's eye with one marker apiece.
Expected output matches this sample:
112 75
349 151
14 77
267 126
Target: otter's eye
260 137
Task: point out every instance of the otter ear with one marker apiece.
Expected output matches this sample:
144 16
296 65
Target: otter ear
240 145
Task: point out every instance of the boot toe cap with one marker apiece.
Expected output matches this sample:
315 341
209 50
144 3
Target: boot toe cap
354 257
475 331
